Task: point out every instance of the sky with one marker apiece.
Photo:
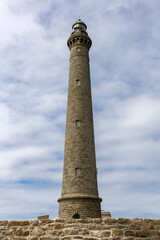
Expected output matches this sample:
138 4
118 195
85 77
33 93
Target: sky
125 79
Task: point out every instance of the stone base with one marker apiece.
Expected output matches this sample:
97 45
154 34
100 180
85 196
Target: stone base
79 207
105 214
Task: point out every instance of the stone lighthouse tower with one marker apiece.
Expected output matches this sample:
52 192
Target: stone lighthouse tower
79 198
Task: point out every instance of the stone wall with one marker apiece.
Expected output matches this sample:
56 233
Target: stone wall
87 229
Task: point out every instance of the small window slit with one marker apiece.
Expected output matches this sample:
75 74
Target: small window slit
77 124
77 172
78 83
78 50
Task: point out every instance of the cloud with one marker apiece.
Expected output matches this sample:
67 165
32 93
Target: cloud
124 61
28 200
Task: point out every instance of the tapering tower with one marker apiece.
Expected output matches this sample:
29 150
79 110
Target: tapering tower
79 198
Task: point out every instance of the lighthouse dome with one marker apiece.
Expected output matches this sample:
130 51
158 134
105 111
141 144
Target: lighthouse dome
79 24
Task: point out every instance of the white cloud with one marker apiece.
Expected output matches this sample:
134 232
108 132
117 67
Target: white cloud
33 96
35 201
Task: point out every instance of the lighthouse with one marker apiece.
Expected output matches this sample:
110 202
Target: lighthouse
79 196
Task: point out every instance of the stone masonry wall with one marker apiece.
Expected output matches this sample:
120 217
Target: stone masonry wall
83 206
87 229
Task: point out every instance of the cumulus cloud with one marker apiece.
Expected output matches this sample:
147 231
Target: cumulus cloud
33 97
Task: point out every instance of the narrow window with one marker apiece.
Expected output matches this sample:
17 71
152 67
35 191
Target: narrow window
78 49
77 123
77 172
78 83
